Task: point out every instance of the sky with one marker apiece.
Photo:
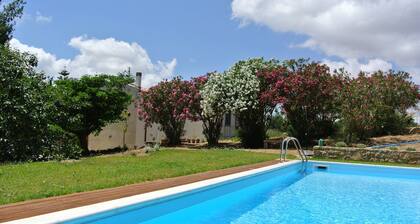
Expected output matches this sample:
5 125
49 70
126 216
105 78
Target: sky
164 38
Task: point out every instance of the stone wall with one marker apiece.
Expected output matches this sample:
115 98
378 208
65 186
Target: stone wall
366 154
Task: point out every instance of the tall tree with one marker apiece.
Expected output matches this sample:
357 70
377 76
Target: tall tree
8 16
64 74
86 105
23 107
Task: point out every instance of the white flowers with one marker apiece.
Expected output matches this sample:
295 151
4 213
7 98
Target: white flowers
234 90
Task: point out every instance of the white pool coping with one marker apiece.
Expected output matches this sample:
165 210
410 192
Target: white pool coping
74 213
366 164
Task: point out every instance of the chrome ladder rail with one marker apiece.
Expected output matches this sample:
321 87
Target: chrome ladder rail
285 146
302 154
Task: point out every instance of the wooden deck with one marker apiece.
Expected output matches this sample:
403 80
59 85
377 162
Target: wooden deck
47 205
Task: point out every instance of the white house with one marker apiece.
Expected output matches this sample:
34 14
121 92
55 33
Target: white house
134 134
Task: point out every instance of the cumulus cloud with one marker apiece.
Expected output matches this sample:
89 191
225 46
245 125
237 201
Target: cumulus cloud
47 62
354 66
385 30
39 18
102 56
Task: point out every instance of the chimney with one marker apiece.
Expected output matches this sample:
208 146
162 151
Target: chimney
138 79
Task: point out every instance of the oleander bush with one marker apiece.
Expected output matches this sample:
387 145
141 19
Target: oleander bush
167 104
376 104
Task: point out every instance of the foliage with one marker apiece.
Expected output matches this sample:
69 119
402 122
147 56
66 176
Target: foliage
23 107
206 106
376 104
393 148
8 16
61 145
84 106
340 144
168 104
279 122
249 95
310 99
211 105
48 179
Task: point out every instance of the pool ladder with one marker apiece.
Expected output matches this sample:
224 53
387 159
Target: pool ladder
302 153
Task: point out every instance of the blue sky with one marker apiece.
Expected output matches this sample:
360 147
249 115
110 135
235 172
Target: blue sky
200 35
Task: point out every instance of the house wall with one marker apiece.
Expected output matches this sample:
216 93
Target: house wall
112 135
229 128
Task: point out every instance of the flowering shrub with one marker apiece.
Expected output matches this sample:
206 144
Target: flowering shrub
376 104
309 96
249 97
168 104
207 105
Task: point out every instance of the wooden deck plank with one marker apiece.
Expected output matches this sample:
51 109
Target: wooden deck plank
52 204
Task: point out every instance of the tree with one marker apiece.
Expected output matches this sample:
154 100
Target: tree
86 105
377 103
167 104
64 74
207 105
23 111
253 109
8 16
310 99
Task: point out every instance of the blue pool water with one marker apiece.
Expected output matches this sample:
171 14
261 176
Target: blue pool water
341 194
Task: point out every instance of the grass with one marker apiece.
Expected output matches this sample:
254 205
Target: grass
366 162
26 181
274 133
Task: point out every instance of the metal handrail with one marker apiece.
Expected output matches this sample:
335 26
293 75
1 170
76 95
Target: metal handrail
285 146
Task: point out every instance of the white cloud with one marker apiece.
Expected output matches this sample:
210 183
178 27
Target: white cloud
354 66
47 62
350 29
102 56
39 18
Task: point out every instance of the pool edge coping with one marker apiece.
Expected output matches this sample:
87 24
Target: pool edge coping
364 164
83 211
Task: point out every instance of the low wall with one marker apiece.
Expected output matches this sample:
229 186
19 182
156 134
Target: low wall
366 154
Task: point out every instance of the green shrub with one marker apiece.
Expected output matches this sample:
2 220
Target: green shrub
340 144
409 149
60 145
23 106
360 145
393 148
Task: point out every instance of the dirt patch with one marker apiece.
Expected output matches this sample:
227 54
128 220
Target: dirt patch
394 139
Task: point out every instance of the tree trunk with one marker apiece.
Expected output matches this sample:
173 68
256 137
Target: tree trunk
211 129
84 144
173 132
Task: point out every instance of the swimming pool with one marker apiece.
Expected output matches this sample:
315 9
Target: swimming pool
325 193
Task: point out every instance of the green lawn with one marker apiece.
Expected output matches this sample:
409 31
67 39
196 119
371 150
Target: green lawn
19 182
